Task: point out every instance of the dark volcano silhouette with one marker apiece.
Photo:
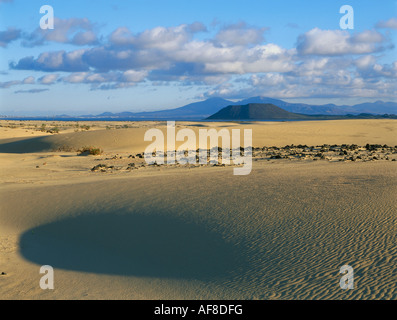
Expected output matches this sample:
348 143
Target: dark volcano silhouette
253 111
268 111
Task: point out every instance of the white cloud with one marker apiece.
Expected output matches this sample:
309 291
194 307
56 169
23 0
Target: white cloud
367 37
109 80
388 24
365 61
268 79
122 36
234 62
161 38
166 39
239 35
53 61
29 80
84 38
49 79
8 84
76 77
9 35
134 76
77 31
339 42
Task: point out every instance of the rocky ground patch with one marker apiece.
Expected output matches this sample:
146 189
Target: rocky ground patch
325 152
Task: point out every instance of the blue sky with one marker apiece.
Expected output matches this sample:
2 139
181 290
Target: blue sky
155 54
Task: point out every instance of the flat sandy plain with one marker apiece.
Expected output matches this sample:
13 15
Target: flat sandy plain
197 232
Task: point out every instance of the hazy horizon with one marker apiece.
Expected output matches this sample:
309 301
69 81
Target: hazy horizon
96 113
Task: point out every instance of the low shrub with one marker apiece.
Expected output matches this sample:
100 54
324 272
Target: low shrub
90 151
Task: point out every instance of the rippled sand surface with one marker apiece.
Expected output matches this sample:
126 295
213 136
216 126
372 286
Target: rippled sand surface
282 232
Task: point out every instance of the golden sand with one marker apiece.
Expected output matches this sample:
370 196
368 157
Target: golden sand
176 232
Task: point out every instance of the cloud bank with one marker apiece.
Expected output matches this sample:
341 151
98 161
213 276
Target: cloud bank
233 62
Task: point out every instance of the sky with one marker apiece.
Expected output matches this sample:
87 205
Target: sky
145 55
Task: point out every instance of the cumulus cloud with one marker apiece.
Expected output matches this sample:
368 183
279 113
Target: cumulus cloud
235 62
133 76
49 79
339 42
337 85
29 80
317 77
108 59
388 24
266 58
8 84
367 37
9 35
371 70
90 77
53 61
84 38
239 34
105 81
365 61
234 50
161 38
77 31
173 51
268 79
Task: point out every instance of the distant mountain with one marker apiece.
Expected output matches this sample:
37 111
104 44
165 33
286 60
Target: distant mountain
255 111
300 107
268 111
192 111
378 107
203 109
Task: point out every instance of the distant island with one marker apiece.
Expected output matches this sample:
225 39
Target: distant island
268 111
207 108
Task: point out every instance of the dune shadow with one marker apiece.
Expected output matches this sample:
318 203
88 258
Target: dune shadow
25 145
131 244
198 125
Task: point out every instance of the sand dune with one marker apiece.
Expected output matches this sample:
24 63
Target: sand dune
281 232
358 132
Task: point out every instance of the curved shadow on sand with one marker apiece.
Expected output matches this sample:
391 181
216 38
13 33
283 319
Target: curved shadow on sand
131 244
25 145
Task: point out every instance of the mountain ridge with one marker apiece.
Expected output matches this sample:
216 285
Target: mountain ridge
268 111
203 109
